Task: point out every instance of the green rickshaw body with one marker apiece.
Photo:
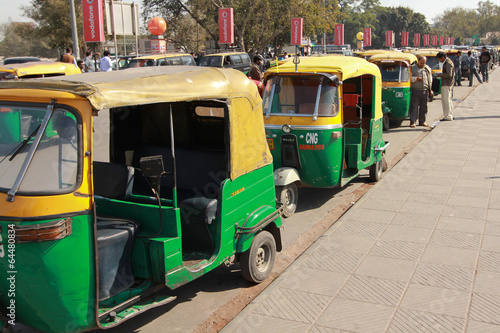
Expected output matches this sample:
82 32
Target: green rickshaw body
185 185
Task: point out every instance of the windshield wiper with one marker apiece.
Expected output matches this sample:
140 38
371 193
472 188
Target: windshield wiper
24 143
39 132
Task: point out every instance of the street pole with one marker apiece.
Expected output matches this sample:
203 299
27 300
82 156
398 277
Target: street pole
74 31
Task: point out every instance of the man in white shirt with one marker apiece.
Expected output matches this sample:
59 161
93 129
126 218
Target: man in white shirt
105 62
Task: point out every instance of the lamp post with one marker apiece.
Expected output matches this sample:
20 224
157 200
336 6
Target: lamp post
74 31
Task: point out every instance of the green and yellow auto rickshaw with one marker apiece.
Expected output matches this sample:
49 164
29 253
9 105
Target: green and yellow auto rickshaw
435 65
89 231
323 118
395 69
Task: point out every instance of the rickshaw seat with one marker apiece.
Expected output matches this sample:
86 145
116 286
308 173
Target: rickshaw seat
112 180
351 100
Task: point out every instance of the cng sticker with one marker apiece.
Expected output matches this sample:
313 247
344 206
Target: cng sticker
270 143
312 138
399 94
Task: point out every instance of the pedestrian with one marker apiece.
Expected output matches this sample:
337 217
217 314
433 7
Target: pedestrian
484 63
471 60
255 73
89 65
68 57
421 83
458 68
105 63
81 65
447 77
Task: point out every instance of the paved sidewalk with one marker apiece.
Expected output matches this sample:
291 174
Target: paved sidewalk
420 252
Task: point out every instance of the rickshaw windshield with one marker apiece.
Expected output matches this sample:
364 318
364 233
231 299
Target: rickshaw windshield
433 63
53 169
394 72
302 95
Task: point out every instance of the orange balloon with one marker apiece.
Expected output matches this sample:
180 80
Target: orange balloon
157 26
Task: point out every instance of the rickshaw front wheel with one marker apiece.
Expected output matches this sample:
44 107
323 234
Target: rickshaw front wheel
288 195
257 262
376 171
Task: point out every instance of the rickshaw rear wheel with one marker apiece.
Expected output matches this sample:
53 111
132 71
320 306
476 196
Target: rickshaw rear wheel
386 123
257 262
288 195
376 171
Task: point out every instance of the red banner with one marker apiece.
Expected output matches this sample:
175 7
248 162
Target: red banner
226 29
404 38
452 40
426 40
389 38
447 41
434 40
93 21
441 40
367 37
297 26
339 34
416 39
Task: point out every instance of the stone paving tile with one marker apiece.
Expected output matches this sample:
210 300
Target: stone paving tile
263 323
491 243
449 173
444 255
361 228
397 249
487 283
439 198
442 165
415 220
429 188
485 308
492 228
354 244
315 281
407 320
476 176
436 300
493 215
489 261
371 215
467 201
293 305
471 191
421 207
464 240
389 195
372 290
473 183
405 233
443 276
328 259
386 268
485 170
477 326
382 204
398 185
477 213
437 181
494 199
457 224
355 316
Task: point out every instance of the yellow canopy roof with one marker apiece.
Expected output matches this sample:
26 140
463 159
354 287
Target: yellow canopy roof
160 84
162 55
427 52
40 68
344 67
397 56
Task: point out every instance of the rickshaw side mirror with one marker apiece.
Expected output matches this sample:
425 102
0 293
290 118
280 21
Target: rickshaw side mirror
152 168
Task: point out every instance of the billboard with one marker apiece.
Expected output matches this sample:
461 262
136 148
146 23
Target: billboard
404 38
441 40
389 38
416 39
226 29
339 34
426 40
434 40
367 37
297 27
93 21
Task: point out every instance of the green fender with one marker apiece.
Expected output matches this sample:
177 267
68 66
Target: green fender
264 218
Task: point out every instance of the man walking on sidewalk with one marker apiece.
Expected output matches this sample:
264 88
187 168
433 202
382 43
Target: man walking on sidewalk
472 69
447 77
484 63
421 83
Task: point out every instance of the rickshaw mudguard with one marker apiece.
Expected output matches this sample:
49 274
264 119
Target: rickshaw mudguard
264 218
285 175
51 282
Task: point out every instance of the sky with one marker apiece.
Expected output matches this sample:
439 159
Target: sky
430 8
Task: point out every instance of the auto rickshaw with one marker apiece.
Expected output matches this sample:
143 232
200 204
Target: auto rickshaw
395 69
435 65
37 69
323 118
367 54
186 184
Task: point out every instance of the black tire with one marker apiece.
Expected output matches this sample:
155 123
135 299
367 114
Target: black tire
376 171
257 262
288 195
386 122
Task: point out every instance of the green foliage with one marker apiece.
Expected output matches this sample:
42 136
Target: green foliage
14 43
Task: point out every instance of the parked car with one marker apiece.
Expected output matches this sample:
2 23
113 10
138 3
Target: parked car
164 59
19 60
236 60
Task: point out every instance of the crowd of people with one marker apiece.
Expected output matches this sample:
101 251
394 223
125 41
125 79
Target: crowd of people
88 64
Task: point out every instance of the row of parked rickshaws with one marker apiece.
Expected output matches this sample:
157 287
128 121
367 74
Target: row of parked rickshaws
199 171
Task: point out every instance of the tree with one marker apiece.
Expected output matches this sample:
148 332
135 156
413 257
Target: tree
446 23
14 42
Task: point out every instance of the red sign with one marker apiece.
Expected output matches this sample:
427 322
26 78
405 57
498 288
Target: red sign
416 39
389 38
404 38
434 40
452 40
447 41
441 40
297 26
339 34
226 29
426 40
367 37
93 21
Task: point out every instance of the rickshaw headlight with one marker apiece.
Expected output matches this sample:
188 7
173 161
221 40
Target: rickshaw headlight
286 128
44 231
